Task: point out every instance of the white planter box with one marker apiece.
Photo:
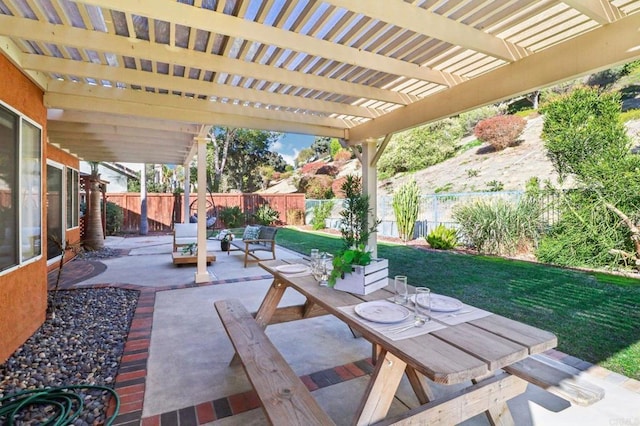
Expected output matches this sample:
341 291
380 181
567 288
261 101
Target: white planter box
365 279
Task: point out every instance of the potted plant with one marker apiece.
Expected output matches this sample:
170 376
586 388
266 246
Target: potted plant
353 268
343 263
225 236
356 272
190 248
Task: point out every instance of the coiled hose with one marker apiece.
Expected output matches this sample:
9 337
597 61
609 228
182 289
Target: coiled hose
60 399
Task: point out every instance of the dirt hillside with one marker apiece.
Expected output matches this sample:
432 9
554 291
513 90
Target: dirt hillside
478 168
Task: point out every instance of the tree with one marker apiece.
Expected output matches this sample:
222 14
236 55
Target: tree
599 221
321 146
94 235
248 150
304 156
217 151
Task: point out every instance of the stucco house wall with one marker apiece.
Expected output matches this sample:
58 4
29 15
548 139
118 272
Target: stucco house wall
23 289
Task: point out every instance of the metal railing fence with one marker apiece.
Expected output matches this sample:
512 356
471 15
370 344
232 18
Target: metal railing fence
435 209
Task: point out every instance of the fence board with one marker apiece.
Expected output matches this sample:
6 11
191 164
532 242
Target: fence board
163 209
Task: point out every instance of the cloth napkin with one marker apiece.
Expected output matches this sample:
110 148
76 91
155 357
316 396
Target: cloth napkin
389 330
465 314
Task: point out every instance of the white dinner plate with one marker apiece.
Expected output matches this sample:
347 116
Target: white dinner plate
440 303
382 311
291 269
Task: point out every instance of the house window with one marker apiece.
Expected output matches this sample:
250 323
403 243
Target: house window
73 206
20 189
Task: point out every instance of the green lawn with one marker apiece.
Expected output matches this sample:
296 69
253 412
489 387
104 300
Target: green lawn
595 316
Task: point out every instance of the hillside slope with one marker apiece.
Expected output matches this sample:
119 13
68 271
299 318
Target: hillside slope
475 169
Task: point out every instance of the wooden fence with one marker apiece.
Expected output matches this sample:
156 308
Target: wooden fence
163 210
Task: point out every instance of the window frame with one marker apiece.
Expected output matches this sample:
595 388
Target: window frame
18 202
72 195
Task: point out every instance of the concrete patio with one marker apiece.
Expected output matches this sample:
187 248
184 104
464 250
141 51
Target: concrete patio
175 368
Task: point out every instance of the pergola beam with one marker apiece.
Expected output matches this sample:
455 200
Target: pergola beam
170 112
215 22
408 16
188 85
602 48
107 43
601 11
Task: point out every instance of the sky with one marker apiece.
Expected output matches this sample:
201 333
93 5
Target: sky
290 144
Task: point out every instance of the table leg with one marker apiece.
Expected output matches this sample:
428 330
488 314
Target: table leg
270 303
420 386
500 415
381 389
267 309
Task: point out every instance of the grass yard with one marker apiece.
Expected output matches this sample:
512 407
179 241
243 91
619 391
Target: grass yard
595 316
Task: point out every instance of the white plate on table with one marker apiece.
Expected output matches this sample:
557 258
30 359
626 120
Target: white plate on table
382 312
295 268
440 303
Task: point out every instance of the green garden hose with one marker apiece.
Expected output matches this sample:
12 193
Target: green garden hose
66 405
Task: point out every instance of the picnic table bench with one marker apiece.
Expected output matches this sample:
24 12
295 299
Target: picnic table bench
284 398
494 356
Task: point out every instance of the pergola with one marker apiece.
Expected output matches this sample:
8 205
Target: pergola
143 80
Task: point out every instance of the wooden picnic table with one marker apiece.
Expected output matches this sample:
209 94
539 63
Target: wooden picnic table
473 352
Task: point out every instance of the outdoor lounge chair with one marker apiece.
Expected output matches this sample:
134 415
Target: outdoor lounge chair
254 239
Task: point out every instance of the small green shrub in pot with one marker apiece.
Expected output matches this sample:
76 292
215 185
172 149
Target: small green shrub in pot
442 238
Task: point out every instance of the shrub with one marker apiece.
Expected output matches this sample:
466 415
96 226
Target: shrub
342 155
328 169
317 187
336 187
312 168
500 227
295 217
469 119
334 147
420 147
114 218
585 138
406 203
265 215
321 212
442 238
231 216
495 186
500 131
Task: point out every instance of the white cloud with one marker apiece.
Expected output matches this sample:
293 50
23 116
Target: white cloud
277 146
290 159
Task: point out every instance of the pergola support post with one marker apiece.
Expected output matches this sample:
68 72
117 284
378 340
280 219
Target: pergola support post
144 223
370 187
202 275
187 194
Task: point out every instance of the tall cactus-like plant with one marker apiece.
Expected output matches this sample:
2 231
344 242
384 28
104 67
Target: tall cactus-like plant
406 202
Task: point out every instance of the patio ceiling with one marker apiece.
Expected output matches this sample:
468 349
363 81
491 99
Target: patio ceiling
136 80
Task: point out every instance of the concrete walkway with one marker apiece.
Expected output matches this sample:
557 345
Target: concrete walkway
175 368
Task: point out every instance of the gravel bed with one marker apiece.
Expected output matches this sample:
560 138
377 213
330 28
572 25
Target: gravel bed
83 345
103 253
